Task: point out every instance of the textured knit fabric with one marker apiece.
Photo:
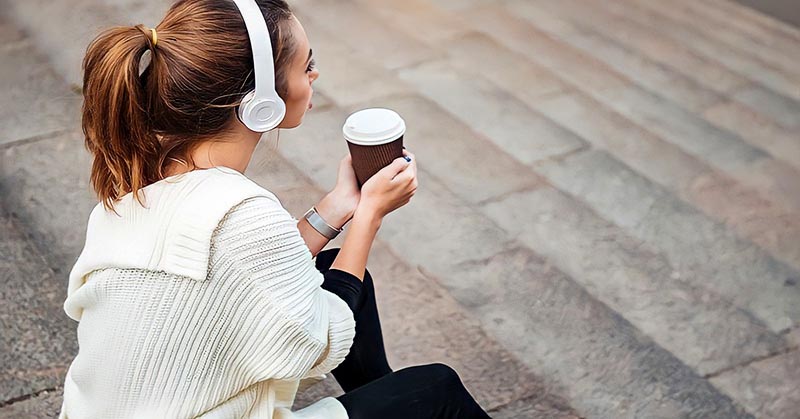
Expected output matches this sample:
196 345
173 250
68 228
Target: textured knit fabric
204 303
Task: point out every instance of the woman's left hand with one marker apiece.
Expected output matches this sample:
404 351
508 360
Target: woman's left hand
346 192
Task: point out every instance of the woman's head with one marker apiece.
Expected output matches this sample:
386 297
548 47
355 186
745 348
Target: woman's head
200 68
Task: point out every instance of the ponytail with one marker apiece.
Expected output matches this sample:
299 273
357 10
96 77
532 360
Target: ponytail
116 118
201 66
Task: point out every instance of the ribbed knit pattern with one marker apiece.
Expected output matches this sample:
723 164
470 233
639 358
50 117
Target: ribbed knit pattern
233 343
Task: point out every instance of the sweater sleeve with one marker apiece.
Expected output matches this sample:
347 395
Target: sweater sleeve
294 328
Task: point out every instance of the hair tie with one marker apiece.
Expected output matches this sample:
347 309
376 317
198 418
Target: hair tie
152 36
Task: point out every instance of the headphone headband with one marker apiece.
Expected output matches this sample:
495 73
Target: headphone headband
262 51
262 109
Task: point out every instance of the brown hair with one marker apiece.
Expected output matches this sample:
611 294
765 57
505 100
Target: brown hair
200 69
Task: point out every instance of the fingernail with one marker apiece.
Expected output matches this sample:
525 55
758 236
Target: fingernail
407 158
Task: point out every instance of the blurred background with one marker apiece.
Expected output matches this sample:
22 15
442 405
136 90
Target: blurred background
607 223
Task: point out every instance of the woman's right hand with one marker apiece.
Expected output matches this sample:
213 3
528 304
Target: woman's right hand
391 187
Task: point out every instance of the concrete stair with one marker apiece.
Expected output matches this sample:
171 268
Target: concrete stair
38 340
599 230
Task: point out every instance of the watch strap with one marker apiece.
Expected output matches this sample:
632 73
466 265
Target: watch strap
316 221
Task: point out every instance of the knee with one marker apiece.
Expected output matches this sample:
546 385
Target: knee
326 257
329 253
444 373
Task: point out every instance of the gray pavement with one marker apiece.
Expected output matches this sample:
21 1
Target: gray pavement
608 218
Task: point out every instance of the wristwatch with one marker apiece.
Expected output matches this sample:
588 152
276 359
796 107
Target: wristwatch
313 218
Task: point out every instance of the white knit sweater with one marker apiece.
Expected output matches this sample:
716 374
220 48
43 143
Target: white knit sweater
206 304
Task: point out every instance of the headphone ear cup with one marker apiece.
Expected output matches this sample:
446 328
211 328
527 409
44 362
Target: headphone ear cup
261 115
241 110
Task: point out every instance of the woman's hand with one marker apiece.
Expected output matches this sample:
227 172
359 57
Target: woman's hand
346 193
390 188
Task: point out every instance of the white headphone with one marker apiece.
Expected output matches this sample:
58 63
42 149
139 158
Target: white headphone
261 109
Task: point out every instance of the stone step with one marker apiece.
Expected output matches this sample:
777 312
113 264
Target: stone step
357 80
37 337
718 259
768 386
663 66
46 404
133 12
782 59
587 26
34 84
378 40
780 107
636 281
641 70
775 79
419 19
439 81
587 248
756 128
514 72
9 34
45 113
664 45
517 131
492 112
456 6
767 30
576 342
722 149
718 196
81 19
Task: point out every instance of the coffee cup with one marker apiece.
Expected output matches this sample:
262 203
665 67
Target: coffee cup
375 139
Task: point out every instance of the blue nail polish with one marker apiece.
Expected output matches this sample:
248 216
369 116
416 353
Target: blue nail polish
407 158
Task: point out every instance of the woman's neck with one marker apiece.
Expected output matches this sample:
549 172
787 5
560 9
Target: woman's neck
234 151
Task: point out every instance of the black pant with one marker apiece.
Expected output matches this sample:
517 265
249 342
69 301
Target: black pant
373 390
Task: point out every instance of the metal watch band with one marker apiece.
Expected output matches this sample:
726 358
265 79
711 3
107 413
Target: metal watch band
316 221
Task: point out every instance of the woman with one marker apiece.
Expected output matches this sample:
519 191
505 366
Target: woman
196 291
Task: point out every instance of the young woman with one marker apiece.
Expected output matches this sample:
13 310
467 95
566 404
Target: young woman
198 295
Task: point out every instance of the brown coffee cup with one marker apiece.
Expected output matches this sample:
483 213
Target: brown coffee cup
375 139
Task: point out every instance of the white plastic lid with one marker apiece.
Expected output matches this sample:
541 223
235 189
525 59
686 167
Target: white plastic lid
373 126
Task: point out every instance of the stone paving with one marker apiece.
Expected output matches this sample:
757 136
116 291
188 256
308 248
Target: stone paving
608 218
